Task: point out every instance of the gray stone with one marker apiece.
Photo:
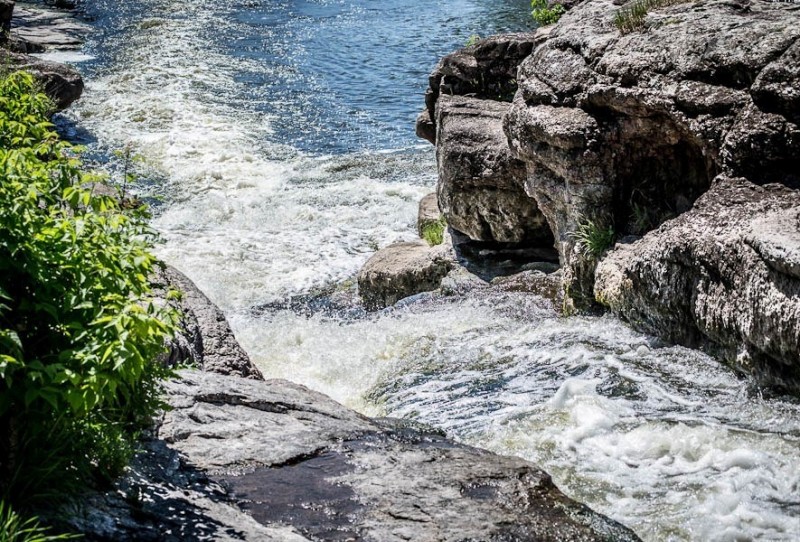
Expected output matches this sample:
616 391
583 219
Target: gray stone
206 340
481 186
725 275
45 28
401 270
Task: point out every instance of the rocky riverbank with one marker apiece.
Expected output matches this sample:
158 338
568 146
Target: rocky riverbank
235 457
678 141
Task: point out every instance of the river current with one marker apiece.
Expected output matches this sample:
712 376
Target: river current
274 139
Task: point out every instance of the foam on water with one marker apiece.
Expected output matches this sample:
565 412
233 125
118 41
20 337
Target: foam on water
279 174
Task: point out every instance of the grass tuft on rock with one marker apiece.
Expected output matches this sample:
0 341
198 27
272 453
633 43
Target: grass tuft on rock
632 17
593 239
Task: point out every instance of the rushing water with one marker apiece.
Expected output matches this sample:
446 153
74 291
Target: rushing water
278 137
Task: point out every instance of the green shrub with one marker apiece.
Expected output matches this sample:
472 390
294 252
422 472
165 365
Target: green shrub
79 334
472 40
13 528
544 15
433 232
593 239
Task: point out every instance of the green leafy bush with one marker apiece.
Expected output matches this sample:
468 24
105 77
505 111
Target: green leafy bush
79 334
593 239
545 15
433 232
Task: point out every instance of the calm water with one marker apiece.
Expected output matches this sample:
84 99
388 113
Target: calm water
276 138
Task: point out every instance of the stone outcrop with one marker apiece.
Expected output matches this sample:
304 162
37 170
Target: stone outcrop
481 186
486 70
625 131
725 274
303 467
205 339
628 130
402 270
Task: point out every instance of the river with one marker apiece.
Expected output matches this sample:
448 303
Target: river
275 143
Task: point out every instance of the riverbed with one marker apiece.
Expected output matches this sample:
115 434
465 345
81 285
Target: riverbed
274 141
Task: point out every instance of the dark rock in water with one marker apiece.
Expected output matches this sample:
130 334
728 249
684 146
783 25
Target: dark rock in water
206 339
481 186
627 130
401 270
306 468
489 260
725 274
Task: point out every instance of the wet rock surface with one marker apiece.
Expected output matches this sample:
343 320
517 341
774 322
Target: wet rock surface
304 467
402 270
205 339
725 274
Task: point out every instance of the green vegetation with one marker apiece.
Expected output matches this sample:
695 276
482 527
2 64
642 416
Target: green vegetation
593 239
472 40
79 332
631 18
14 528
545 15
433 232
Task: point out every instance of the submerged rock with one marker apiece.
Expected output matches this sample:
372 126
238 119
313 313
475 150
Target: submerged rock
303 467
401 270
725 274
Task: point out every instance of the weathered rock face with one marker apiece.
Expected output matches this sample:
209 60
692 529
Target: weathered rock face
726 273
481 186
630 129
401 270
206 339
306 468
486 70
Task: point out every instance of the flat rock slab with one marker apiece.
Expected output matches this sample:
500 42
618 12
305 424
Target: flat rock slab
239 459
295 458
48 28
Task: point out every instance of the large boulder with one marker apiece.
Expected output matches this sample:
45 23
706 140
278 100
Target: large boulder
725 275
247 460
628 129
481 185
402 270
205 338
